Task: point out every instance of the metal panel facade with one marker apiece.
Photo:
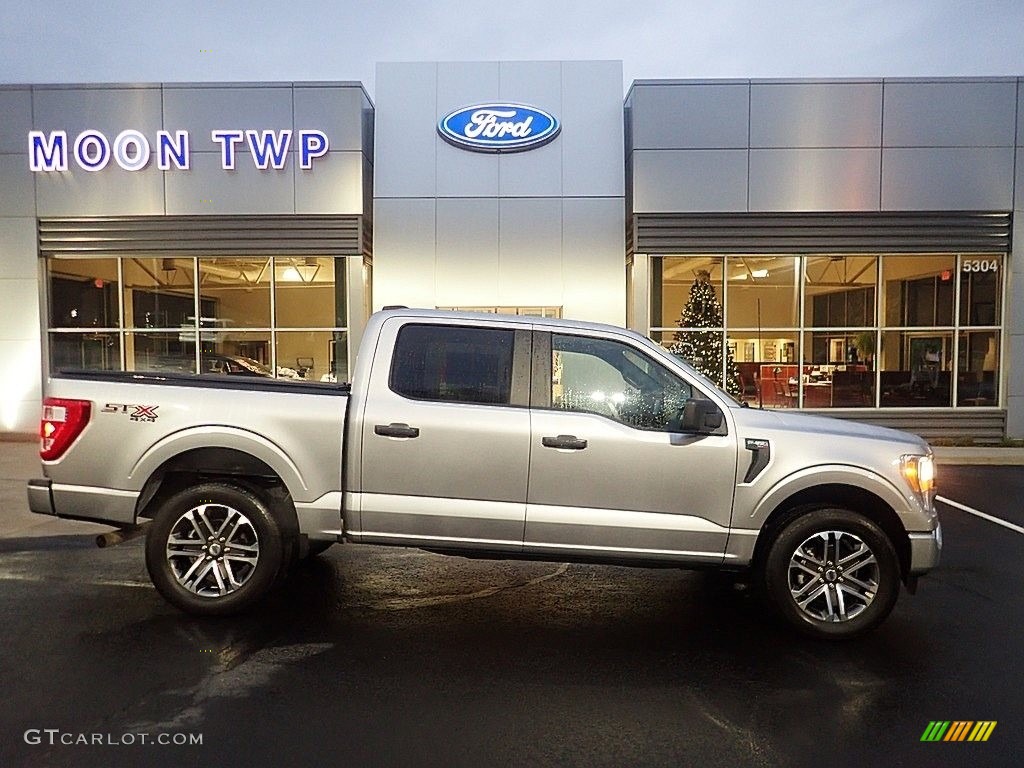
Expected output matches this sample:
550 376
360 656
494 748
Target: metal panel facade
814 179
404 159
18 250
405 230
947 179
15 119
462 228
961 113
945 145
815 114
20 381
467 251
591 124
689 180
690 115
17 187
109 109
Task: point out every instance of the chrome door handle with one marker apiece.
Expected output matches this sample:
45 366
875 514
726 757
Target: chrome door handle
396 430
571 442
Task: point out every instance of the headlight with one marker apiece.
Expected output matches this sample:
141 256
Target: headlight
919 472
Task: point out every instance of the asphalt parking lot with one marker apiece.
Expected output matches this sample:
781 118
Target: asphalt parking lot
373 656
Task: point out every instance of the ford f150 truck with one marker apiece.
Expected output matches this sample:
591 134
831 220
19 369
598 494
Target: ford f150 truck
498 437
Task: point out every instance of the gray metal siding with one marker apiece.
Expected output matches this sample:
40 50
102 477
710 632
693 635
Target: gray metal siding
790 115
933 144
947 179
962 113
814 179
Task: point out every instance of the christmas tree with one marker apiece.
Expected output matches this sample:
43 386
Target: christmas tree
703 349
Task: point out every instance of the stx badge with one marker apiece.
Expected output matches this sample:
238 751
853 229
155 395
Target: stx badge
135 412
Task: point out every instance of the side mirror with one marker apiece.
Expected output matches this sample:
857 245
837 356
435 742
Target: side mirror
701 416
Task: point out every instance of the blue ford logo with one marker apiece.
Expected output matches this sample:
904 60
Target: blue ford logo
498 127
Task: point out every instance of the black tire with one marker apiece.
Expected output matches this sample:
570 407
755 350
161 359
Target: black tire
250 534
849 594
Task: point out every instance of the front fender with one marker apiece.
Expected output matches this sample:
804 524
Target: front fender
913 517
748 529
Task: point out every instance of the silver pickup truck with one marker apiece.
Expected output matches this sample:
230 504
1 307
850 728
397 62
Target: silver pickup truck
497 437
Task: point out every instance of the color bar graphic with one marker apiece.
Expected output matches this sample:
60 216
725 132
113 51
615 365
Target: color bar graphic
958 730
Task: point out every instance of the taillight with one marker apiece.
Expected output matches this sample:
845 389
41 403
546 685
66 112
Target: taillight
63 421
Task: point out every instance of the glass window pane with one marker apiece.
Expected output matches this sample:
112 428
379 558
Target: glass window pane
469 365
233 353
614 380
83 293
170 352
981 289
763 291
978 370
916 368
840 291
310 292
235 292
672 281
85 351
918 290
312 355
839 369
766 367
159 293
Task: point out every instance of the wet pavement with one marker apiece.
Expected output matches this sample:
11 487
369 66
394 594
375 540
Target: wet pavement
375 656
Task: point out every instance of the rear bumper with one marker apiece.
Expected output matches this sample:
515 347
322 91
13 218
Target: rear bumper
924 550
40 499
80 502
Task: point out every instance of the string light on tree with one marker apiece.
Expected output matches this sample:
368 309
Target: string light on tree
704 349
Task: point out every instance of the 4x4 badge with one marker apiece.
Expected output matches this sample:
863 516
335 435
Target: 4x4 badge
135 412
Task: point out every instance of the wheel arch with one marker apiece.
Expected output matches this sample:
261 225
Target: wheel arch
836 494
193 466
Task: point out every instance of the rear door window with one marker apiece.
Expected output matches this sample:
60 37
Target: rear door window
453 364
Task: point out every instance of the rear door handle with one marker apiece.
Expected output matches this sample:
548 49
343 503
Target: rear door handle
396 430
571 442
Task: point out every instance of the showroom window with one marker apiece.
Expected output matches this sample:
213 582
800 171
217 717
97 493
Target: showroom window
277 316
836 330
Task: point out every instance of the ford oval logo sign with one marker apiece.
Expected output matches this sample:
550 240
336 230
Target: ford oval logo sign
498 127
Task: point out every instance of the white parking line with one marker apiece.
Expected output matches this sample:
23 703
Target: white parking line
980 514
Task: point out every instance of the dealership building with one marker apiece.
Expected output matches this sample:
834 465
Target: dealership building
857 235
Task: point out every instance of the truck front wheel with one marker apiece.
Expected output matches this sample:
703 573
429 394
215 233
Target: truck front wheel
214 549
832 573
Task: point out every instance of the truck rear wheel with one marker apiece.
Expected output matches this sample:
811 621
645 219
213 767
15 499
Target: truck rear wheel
214 549
832 574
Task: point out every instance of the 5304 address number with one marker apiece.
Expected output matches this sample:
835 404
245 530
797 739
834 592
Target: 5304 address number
981 265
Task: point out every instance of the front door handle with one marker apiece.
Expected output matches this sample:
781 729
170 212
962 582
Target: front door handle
571 442
396 430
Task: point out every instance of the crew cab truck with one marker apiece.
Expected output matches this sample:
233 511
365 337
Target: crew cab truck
497 437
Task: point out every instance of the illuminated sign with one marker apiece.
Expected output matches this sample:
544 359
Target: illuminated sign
131 150
498 127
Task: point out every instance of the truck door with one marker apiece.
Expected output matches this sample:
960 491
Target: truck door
446 435
610 472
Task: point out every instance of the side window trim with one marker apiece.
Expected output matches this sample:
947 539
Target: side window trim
522 360
540 375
